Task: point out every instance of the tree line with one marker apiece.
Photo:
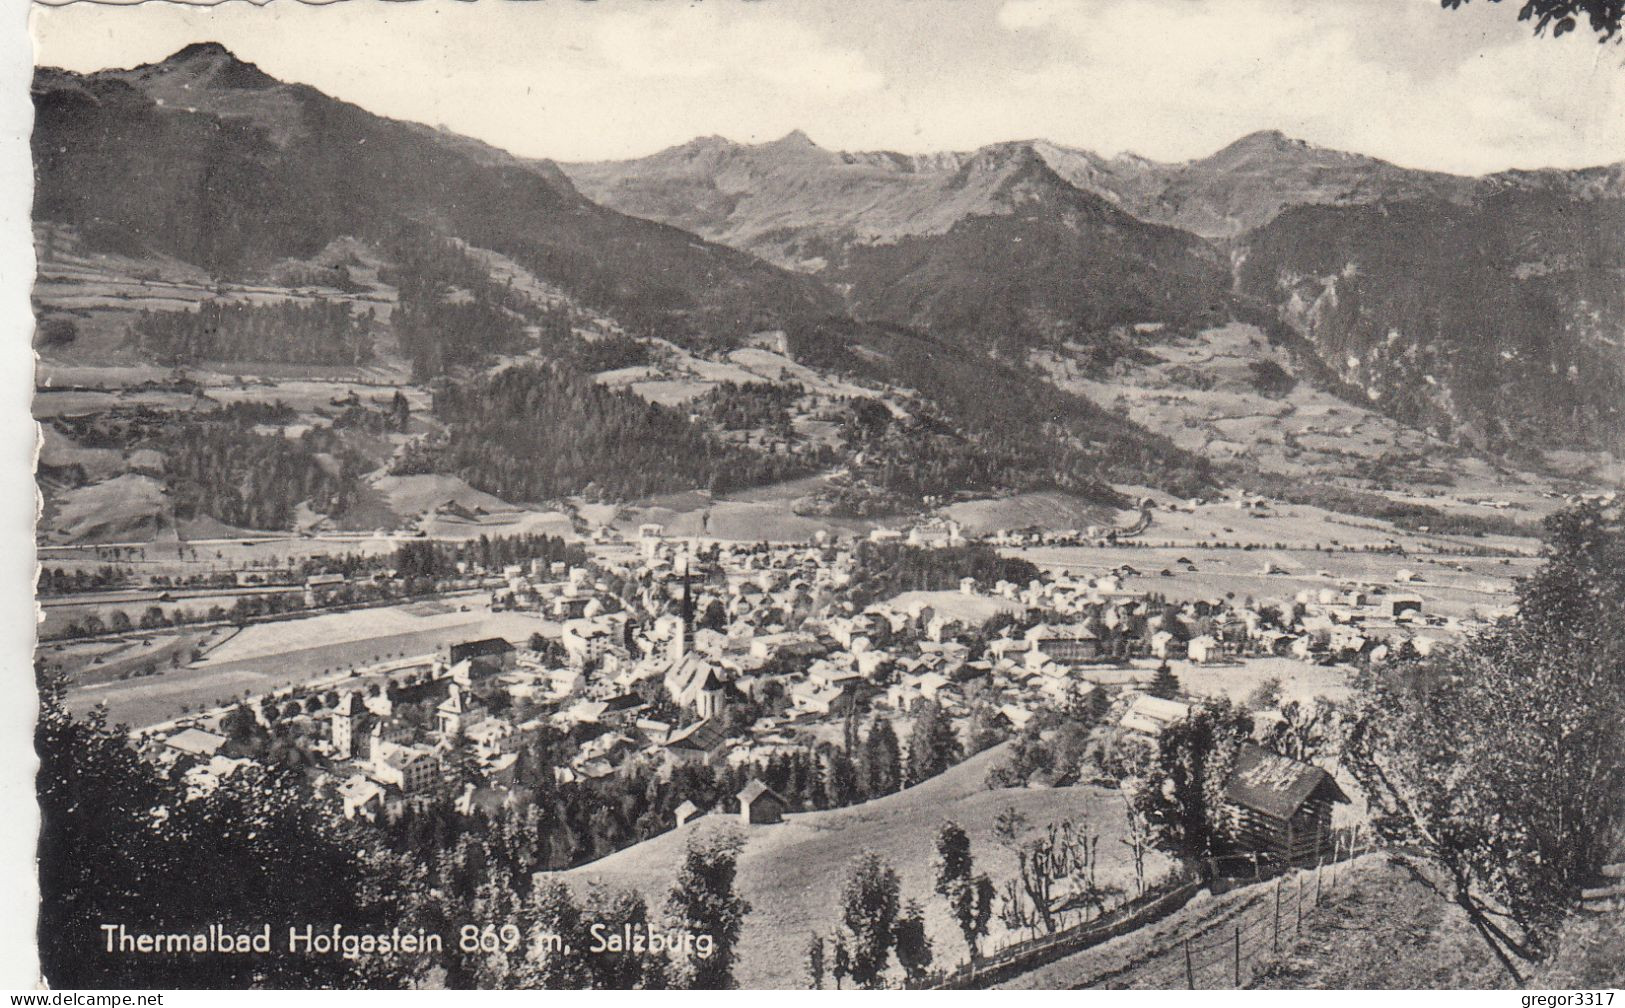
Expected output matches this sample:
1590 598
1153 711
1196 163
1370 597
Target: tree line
287 332
228 471
216 464
1037 435
573 822
543 431
751 405
883 570
449 312
434 559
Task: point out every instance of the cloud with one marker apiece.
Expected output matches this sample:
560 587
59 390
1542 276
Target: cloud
708 43
1156 74
1467 91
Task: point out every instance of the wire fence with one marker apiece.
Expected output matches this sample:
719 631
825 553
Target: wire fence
1225 950
1228 952
1021 956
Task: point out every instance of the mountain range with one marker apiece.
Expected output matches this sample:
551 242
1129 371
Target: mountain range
754 195
1487 311
205 158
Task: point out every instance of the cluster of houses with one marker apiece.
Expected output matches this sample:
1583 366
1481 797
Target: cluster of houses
676 653
933 533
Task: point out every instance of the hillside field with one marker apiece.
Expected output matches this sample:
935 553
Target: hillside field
792 872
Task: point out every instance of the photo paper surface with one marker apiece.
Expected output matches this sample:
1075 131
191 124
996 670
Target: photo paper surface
1023 494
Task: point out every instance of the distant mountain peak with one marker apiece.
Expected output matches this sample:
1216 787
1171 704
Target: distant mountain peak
794 148
1269 136
1270 142
794 138
796 145
715 141
213 61
200 50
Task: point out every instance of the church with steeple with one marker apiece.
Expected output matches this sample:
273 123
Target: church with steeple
691 680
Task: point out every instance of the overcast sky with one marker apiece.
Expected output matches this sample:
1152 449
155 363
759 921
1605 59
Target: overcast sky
1467 91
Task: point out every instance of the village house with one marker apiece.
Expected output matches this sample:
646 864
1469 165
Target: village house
1204 649
623 708
581 712
491 736
915 687
810 697
1398 605
829 675
457 713
193 743
1280 806
493 650
361 796
760 804
1149 715
700 742
319 588
1066 646
411 769
1015 716
655 731
565 682
480 677
588 640
1167 645
203 778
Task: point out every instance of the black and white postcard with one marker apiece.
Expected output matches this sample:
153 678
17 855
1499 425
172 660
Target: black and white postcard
825 494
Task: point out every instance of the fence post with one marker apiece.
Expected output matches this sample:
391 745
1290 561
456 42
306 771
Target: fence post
1237 947
1299 904
1190 974
1317 885
1275 942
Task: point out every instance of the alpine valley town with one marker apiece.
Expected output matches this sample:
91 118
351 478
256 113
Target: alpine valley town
774 563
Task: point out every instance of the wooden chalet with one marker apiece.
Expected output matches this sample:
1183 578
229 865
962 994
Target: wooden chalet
1280 806
759 804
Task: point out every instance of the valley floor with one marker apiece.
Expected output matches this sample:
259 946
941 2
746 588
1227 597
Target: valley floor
267 656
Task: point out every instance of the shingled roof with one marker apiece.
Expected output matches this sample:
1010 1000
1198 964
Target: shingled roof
704 736
754 790
1277 785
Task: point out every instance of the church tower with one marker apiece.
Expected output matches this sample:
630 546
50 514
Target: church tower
688 612
681 643
344 725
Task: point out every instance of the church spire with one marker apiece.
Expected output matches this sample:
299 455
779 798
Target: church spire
688 611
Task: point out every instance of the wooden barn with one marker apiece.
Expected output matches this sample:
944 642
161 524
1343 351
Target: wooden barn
1280 806
759 803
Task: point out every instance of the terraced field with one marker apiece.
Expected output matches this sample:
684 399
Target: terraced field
1211 395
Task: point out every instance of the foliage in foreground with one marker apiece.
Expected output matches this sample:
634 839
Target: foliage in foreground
121 843
1497 766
